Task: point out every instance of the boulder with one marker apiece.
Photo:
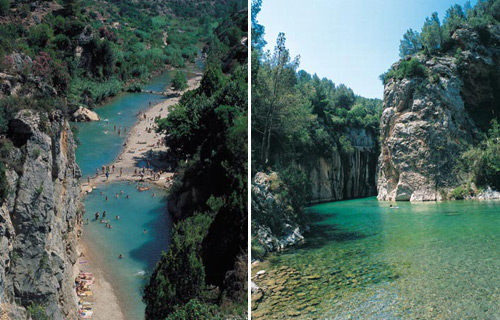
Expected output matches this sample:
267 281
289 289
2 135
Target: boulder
84 115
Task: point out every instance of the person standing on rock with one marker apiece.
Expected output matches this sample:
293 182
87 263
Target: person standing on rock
121 171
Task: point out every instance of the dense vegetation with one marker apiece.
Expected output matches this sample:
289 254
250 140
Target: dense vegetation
79 52
436 37
208 128
296 114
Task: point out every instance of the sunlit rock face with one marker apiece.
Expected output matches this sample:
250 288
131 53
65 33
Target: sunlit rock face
427 122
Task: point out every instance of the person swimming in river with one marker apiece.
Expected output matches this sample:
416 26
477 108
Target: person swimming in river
127 197
104 214
106 198
97 215
145 231
120 256
117 217
117 196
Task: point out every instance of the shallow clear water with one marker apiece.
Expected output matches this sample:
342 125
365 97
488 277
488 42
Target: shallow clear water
140 251
99 144
141 211
364 260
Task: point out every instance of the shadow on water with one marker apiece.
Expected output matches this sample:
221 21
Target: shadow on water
151 250
322 232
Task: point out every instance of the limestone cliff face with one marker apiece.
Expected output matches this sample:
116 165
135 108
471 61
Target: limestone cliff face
344 176
427 122
38 220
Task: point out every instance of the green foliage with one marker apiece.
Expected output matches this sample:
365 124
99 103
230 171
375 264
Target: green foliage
459 193
179 276
208 127
484 159
407 69
40 35
37 312
194 310
436 37
432 37
410 44
4 7
257 250
179 82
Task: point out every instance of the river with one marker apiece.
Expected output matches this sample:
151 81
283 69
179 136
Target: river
366 260
99 145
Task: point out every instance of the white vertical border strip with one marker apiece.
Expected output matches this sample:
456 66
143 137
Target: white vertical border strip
249 122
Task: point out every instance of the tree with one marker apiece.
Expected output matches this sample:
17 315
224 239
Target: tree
179 82
258 41
410 44
278 80
40 35
180 275
431 35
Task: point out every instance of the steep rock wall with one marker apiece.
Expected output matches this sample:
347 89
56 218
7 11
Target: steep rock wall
427 122
344 176
38 220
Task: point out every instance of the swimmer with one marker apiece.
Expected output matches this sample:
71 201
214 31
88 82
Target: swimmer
106 198
121 191
117 217
104 214
117 196
153 194
97 215
127 197
145 231
120 256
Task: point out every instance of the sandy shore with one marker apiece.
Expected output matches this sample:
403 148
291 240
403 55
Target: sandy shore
141 146
105 303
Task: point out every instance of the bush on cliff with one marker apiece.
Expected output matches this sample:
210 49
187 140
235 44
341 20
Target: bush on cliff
484 159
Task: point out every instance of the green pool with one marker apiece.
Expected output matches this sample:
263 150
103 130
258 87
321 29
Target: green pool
365 260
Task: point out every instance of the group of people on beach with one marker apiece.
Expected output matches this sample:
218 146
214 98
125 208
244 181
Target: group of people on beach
83 283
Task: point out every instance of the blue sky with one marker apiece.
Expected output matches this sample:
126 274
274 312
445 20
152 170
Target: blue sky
348 41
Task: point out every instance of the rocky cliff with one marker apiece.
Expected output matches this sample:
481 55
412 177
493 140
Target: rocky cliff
344 176
39 216
338 176
429 120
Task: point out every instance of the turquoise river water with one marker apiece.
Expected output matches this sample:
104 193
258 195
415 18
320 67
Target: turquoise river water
365 260
100 145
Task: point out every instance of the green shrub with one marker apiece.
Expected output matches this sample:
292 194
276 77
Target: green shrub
179 82
4 7
459 193
406 69
37 312
194 310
